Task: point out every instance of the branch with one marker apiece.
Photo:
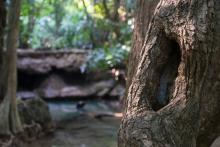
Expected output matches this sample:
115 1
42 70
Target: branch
89 18
107 12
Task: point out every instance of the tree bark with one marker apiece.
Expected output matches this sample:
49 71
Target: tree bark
24 42
2 32
143 15
10 122
173 96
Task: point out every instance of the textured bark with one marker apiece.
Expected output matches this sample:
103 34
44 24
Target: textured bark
173 99
2 25
10 122
143 15
2 28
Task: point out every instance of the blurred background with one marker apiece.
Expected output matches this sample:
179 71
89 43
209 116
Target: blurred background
73 55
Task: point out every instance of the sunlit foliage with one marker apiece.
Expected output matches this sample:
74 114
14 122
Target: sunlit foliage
102 25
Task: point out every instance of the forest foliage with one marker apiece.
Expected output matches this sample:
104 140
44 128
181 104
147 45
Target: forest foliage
103 26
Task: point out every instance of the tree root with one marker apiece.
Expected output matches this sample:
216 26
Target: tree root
31 132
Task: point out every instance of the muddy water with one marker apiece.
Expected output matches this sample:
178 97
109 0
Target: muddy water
79 128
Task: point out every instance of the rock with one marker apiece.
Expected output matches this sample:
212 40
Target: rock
119 90
51 87
93 89
42 62
26 95
35 111
57 74
75 91
55 87
99 89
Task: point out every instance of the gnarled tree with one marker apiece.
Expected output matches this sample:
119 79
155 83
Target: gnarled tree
10 122
173 96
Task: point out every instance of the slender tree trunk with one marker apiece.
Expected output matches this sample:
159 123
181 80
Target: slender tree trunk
173 97
113 16
107 11
24 43
59 14
10 122
91 21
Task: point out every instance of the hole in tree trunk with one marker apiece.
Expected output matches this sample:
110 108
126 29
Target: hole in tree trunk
167 72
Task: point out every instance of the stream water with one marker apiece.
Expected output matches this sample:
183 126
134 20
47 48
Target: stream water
80 128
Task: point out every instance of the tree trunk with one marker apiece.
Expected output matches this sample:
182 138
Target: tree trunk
2 30
143 15
10 122
24 43
173 97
